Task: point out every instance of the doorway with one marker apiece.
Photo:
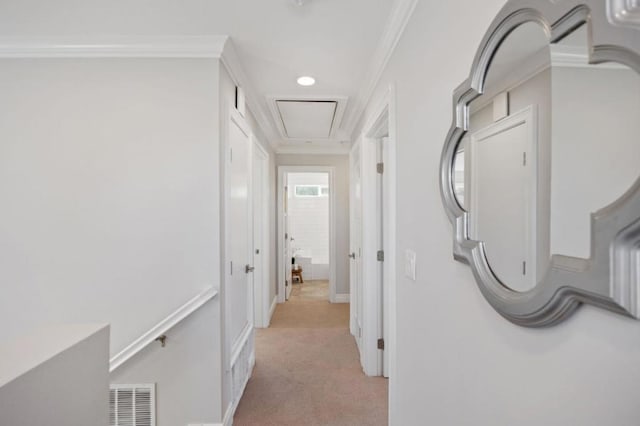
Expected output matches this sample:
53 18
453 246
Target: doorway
373 241
260 249
306 233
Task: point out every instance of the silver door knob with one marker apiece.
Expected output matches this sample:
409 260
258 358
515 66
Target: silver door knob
352 256
249 268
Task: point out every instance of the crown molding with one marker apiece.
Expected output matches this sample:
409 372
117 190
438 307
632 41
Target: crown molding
399 18
577 57
113 47
231 61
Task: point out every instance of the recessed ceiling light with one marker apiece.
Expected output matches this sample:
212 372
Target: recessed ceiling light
306 81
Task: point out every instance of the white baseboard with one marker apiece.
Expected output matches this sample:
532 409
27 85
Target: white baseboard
342 298
272 309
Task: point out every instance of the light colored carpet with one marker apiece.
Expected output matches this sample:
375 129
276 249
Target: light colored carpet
309 307
310 291
308 372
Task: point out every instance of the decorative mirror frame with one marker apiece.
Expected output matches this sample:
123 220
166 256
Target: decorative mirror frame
610 278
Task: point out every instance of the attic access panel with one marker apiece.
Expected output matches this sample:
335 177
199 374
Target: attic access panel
307 119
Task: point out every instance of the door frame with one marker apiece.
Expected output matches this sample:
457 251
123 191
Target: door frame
232 349
527 116
355 263
235 118
373 323
282 171
261 294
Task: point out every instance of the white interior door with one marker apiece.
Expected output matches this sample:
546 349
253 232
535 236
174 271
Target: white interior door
503 199
260 280
356 248
383 202
240 293
288 252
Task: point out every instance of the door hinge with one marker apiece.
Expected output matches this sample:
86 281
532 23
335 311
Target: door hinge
231 155
380 255
380 168
231 268
524 158
381 344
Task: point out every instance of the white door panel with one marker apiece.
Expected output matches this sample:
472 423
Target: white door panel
356 248
288 251
260 289
239 293
502 200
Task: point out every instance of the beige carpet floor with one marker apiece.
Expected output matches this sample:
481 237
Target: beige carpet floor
307 369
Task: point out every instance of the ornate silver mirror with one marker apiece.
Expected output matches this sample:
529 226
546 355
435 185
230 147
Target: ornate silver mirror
540 172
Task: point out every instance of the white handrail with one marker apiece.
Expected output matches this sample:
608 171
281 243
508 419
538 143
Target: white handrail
162 327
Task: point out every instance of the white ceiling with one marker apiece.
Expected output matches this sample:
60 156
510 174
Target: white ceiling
277 41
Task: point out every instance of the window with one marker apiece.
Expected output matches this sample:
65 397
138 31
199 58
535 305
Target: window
311 191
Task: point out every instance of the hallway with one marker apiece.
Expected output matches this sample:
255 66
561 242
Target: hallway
307 369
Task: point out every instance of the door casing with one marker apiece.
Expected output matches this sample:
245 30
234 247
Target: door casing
282 172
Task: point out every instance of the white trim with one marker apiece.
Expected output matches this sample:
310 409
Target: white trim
230 60
261 295
400 15
554 55
231 349
354 268
383 114
342 298
162 327
113 47
282 170
228 415
240 342
577 57
272 309
391 237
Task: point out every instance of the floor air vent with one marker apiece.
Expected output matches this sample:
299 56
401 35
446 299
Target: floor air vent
132 405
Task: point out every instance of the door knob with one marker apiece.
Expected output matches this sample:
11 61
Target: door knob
249 268
352 255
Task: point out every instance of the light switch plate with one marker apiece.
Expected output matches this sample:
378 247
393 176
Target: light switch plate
410 264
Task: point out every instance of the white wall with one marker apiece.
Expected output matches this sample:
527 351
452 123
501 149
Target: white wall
595 151
109 186
458 361
273 250
109 178
187 384
341 182
56 376
309 224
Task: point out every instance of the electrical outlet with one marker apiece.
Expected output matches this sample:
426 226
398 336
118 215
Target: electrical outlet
410 264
